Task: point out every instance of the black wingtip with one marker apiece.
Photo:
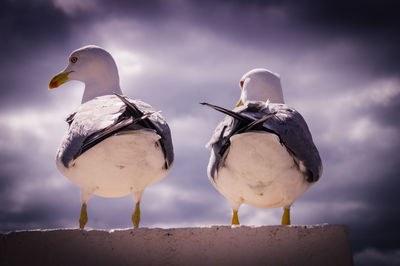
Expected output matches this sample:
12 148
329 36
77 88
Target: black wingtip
131 107
218 108
228 112
122 98
118 95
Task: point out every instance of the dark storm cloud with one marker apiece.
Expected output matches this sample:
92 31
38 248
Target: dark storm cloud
273 25
28 29
314 24
345 16
37 27
389 116
372 186
340 58
26 23
25 174
367 165
382 197
359 21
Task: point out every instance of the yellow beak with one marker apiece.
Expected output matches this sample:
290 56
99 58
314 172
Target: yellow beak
239 103
58 79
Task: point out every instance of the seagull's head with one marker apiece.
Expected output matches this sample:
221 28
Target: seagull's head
260 84
90 64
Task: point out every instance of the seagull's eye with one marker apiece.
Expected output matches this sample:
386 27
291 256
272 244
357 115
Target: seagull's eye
74 59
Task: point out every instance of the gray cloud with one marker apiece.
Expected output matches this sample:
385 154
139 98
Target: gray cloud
371 257
341 60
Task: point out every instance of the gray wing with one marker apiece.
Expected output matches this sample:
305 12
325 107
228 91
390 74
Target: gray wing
105 116
295 135
219 143
138 109
279 119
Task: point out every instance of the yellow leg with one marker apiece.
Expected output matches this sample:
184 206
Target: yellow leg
235 218
286 216
136 215
83 218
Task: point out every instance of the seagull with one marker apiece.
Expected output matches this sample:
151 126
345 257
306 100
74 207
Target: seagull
114 146
262 152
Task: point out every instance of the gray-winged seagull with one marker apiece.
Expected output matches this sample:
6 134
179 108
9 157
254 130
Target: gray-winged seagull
114 145
262 153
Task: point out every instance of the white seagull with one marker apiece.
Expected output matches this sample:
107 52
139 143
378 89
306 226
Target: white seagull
114 146
262 153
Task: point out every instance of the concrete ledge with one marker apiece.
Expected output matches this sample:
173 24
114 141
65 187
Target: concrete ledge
216 245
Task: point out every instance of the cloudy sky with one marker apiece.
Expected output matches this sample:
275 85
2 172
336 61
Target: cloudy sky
339 65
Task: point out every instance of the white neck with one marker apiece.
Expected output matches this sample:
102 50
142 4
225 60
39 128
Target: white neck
261 90
95 89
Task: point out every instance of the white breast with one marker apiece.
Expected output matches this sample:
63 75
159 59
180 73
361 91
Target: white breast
119 165
260 172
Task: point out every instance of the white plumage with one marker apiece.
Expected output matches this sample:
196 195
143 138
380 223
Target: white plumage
114 146
259 171
262 153
126 163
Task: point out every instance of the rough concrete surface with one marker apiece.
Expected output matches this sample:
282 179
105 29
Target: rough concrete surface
216 245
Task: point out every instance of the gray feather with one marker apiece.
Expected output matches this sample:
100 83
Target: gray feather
104 113
285 122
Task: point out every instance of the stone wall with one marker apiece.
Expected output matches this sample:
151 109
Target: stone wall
216 245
